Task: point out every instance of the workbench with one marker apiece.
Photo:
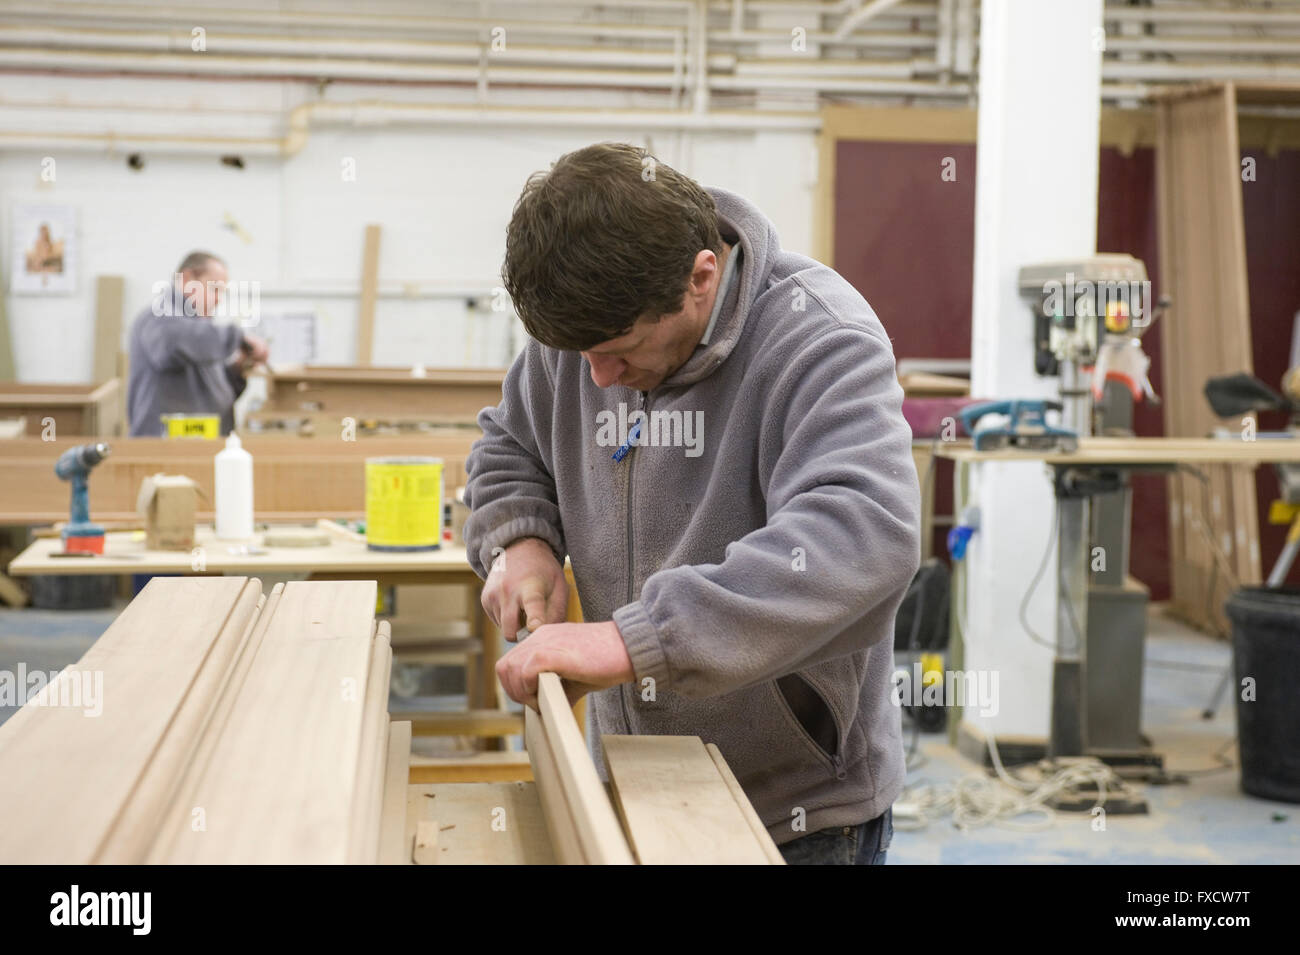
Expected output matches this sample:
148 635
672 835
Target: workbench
1077 476
233 726
341 559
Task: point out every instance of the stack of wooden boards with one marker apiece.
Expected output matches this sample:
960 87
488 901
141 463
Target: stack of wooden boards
677 800
214 725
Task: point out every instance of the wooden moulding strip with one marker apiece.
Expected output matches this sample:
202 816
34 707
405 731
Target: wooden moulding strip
136 828
676 805
180 818
761 834
69 775
397 768
565 841
280 785
599 832
368 799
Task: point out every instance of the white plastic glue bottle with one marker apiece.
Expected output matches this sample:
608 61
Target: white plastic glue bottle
234 486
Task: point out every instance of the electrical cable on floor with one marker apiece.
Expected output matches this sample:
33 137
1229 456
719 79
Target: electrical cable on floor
976 800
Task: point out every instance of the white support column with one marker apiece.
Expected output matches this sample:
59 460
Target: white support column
1035 200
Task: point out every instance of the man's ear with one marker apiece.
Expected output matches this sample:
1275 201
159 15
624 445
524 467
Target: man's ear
706 264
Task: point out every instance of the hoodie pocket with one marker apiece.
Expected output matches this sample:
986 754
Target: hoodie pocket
814 719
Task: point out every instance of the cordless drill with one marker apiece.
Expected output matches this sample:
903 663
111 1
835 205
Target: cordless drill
75 464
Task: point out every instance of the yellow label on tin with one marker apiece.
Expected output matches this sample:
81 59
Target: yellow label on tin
404 502
192 426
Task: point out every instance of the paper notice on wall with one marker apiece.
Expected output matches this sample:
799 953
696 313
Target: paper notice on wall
43 249
291 337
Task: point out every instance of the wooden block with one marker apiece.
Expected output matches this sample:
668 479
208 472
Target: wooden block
397 770
425 851
675 804
599 833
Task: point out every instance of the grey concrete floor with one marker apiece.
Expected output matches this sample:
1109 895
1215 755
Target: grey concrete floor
1206 820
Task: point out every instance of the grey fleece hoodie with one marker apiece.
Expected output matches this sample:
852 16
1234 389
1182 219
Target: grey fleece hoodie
752 547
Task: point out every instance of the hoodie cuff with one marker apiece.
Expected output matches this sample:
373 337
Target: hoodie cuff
643 646
513 530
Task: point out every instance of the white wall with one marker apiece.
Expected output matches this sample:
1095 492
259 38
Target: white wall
442 196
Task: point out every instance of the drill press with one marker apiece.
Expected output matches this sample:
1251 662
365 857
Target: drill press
74 466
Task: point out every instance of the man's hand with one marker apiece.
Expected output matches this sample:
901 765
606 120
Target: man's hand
586 657
526 588
255 349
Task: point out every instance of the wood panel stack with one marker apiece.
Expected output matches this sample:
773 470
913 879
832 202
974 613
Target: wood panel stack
1214 530
231 728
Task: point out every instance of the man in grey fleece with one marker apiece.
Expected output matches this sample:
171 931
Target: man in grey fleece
181 361
711 430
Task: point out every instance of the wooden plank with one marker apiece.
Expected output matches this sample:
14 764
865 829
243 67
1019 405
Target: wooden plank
488 767
761 835
1203 265
369 295
462 723
280 784
7 372
560 822
180 816
77 772
136 827
108 325
483 823
597 825
368 795
677 808
425 850
397 770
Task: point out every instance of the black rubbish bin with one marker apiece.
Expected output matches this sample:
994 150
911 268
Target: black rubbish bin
1266 650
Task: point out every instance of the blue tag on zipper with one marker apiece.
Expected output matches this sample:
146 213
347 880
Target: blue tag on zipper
627 445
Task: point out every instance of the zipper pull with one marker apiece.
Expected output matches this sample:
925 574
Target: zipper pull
840 771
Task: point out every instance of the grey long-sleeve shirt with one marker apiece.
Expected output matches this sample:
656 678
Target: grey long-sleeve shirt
753 547
180 365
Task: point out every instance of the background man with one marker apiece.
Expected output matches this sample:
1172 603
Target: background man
181 361
742 587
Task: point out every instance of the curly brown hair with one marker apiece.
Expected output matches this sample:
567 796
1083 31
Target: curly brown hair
606 236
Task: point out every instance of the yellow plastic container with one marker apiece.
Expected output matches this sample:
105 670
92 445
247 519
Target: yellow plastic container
403 503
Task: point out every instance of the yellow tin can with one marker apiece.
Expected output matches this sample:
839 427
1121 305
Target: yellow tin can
404 503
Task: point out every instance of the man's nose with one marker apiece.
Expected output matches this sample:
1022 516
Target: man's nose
605 369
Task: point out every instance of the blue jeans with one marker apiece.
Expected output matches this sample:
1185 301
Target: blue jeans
863 844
